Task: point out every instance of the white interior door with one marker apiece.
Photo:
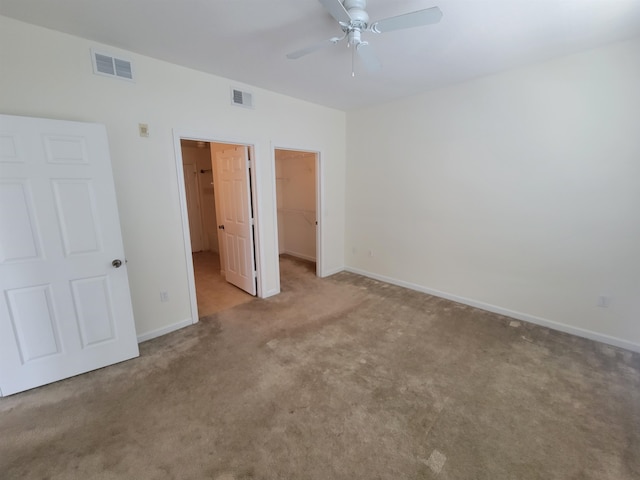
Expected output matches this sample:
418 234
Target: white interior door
235 220
65 306
193 206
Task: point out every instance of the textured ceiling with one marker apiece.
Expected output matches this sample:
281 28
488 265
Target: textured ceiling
247 40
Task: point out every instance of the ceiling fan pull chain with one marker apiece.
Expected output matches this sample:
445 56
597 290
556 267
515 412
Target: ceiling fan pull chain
353 62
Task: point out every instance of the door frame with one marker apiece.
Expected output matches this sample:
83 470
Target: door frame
319 201
179 135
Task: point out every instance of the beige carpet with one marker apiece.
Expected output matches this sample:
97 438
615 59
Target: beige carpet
339 378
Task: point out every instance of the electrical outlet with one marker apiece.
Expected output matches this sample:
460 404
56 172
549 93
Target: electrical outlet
354 250
604 301
164 296
371 253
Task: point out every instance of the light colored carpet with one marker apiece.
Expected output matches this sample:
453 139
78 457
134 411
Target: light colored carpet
339 378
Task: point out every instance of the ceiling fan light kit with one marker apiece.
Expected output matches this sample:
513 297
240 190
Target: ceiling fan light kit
353 19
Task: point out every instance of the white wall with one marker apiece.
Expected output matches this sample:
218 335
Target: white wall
49 74
519 192
296 193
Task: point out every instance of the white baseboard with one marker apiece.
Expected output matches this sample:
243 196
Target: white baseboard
562 327
333 271
299 255
271 293
164 330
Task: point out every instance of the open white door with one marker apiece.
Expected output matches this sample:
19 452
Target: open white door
65 306
235 220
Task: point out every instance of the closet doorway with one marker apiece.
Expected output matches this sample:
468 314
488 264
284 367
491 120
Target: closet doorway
213 291
298 205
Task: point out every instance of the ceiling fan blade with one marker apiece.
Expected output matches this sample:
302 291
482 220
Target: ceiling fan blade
312 48
418 18
337 10
368 57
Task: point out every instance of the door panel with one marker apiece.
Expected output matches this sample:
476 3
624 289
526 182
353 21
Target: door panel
10 148
232 180
18 235
64 309
193 206
31 310
92 302
66 150
75 205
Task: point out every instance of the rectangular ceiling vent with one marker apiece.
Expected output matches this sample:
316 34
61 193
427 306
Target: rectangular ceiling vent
110 66
241 99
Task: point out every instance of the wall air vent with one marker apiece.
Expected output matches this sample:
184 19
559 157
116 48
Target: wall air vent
241 99
110 66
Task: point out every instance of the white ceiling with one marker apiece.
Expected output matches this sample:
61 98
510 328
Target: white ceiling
247 40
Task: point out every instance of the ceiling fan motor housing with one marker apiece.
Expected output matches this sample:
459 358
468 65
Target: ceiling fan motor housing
359 20
359 17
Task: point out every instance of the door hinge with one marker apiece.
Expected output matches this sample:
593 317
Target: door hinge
248 163
252 221
255 274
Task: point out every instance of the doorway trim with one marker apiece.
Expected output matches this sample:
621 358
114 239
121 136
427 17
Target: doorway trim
320 270
179 135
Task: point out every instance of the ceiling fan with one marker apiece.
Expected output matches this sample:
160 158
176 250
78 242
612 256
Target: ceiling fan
353 20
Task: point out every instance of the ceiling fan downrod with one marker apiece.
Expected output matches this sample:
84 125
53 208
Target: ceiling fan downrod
353 30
